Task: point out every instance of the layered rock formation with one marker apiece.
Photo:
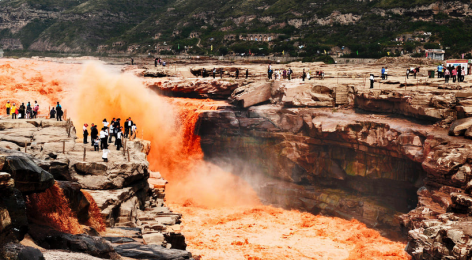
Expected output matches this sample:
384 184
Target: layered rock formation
392 174
41 152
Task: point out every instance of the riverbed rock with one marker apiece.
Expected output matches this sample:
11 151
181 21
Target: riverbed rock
151 252
53 239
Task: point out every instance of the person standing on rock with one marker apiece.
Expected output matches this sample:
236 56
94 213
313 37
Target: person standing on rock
132 61
93 132
103 138
382 72
407 73
95 144
247 73
105 154
52 113
13 111
371 80
129 124
214 73
86 134
237 73
8 107
386 73
133 130
35 109
155 62
59 112
303 75
447 74
454 75
22 111
29 111
111 131
118 139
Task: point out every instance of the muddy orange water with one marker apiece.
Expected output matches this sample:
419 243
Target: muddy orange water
222 216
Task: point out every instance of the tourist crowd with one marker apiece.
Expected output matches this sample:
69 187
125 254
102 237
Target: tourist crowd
110 130
31 111
456 73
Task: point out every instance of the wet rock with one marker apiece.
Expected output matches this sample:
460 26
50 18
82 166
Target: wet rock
53 239
151 252
13 251
29 178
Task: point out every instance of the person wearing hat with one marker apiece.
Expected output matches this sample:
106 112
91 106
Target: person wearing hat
86 134
13 111
8 107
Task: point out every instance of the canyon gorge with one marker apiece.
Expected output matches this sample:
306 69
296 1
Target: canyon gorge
235 168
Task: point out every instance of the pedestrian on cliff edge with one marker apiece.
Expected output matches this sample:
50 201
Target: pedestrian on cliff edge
371 80
303 75
93 133
237 73
119 134
247 73
8 107
103 138
59 112
86 134
13 111
52 113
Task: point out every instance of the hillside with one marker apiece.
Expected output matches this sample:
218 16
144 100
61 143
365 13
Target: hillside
296 27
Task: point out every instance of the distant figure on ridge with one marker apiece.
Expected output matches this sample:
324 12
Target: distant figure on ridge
8 107
371 80
86 134
247 73
52 113
59 112
13 111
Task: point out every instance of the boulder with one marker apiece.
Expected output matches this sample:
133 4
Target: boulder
14 251
29 178
53 239
153 239
460 126
13 217
252 94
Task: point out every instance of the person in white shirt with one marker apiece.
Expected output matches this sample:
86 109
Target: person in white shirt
386 73
105 155
371 80
103 138
111 133
133 129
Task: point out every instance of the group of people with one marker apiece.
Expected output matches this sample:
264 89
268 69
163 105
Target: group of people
100 140
456 73
159 61
384 73
279 74
31 111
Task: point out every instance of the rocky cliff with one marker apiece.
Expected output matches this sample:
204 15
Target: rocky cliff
390 173
42 167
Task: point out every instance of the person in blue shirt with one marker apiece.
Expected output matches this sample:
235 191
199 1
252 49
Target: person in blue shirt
440 69
383 73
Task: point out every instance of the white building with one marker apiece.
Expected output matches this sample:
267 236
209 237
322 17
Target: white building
435 54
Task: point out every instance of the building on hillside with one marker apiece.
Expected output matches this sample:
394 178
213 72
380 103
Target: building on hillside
118 44
229 37
133 47
157 36
176 33
102 48
340 51
258 37
194 35
435 54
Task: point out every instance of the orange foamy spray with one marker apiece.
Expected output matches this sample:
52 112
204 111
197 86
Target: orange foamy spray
169 125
